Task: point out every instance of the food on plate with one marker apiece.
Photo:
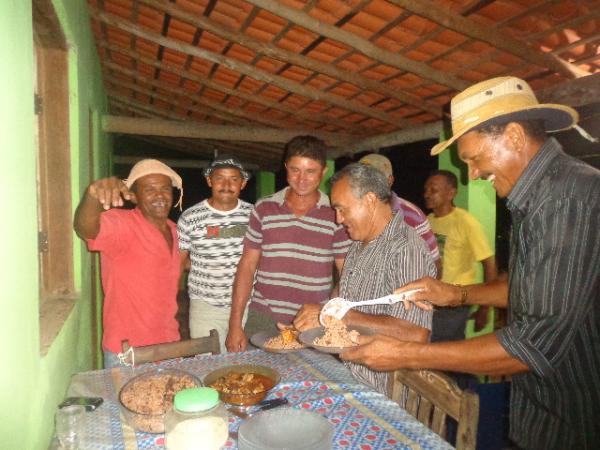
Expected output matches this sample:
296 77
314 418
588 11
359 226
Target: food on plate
242 383
287 339
336 334
149 396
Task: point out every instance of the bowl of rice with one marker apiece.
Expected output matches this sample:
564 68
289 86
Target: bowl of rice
146 398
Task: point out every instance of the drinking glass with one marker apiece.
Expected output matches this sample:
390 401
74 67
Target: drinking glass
68 426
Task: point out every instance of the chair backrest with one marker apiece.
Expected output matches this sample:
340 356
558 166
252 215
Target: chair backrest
432 396
179 349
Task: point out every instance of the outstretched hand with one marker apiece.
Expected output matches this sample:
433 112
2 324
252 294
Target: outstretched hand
429 289
380 352
110 192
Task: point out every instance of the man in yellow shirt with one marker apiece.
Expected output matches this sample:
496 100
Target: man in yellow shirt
462 244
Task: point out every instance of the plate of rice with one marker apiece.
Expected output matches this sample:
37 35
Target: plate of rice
335 338
283 341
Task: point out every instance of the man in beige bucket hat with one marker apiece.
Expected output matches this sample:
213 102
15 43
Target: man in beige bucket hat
138 252
551 345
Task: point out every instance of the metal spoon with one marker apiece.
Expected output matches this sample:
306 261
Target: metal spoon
337 307
240 411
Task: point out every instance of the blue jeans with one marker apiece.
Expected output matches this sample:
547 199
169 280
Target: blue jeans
111 359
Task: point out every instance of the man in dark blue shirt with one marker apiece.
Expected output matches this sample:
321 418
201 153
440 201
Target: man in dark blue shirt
551 345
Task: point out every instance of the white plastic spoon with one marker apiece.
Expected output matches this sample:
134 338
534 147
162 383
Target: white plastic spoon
337 307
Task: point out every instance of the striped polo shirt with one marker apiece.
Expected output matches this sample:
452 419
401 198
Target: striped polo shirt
396 257
297 254
416 219
554 303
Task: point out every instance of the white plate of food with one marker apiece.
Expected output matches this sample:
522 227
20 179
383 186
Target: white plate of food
284 341
333 341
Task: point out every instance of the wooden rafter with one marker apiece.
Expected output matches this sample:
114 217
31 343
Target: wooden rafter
300 60
462 25
177 92
128 125
319 120
362 45
247 69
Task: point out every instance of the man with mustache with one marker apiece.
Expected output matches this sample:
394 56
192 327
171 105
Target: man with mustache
138 255
210 243
551 344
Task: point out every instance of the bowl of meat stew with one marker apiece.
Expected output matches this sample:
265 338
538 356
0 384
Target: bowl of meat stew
242 385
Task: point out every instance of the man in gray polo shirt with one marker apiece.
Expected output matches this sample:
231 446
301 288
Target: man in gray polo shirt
385 251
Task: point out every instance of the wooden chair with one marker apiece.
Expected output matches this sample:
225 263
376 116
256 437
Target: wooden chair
432 396
179 349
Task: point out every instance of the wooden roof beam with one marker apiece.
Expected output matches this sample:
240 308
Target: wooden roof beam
319 118
244 68
287 56
404 136
433 12
189 129
118 83
362 45
179 91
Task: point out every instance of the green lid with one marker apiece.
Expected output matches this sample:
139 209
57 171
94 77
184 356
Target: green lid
196 399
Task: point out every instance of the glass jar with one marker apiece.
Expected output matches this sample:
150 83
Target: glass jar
197 421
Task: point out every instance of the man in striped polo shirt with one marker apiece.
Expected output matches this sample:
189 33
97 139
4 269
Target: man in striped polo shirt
551 344
290 249
210 235
385 252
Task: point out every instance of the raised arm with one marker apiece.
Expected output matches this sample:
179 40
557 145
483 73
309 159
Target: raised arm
493 293
242 288
100 196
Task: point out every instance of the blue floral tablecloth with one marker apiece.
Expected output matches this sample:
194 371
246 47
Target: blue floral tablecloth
362 418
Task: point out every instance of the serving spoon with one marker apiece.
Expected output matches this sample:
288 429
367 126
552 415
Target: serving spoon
337 307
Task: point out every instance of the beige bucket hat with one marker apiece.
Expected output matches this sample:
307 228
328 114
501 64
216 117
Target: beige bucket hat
502 100
378 161
151 167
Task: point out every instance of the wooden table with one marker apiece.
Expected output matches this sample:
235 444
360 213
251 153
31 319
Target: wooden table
362 418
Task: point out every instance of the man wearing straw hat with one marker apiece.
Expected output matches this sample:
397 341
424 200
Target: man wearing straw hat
551 345
138 253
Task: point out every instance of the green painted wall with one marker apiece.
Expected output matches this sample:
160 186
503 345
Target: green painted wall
265 184
479 198
32 385
324 186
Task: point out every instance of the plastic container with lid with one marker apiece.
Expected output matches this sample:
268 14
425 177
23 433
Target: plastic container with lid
197 421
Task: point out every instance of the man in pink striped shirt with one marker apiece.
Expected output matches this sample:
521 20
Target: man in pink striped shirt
412 214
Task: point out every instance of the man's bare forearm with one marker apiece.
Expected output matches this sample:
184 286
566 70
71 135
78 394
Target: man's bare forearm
87 217
388 325
481 355
493 293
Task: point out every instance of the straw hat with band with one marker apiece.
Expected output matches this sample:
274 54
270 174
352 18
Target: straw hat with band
152 167
502 100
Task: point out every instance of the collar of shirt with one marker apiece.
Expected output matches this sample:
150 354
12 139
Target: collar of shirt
525 187
279 197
